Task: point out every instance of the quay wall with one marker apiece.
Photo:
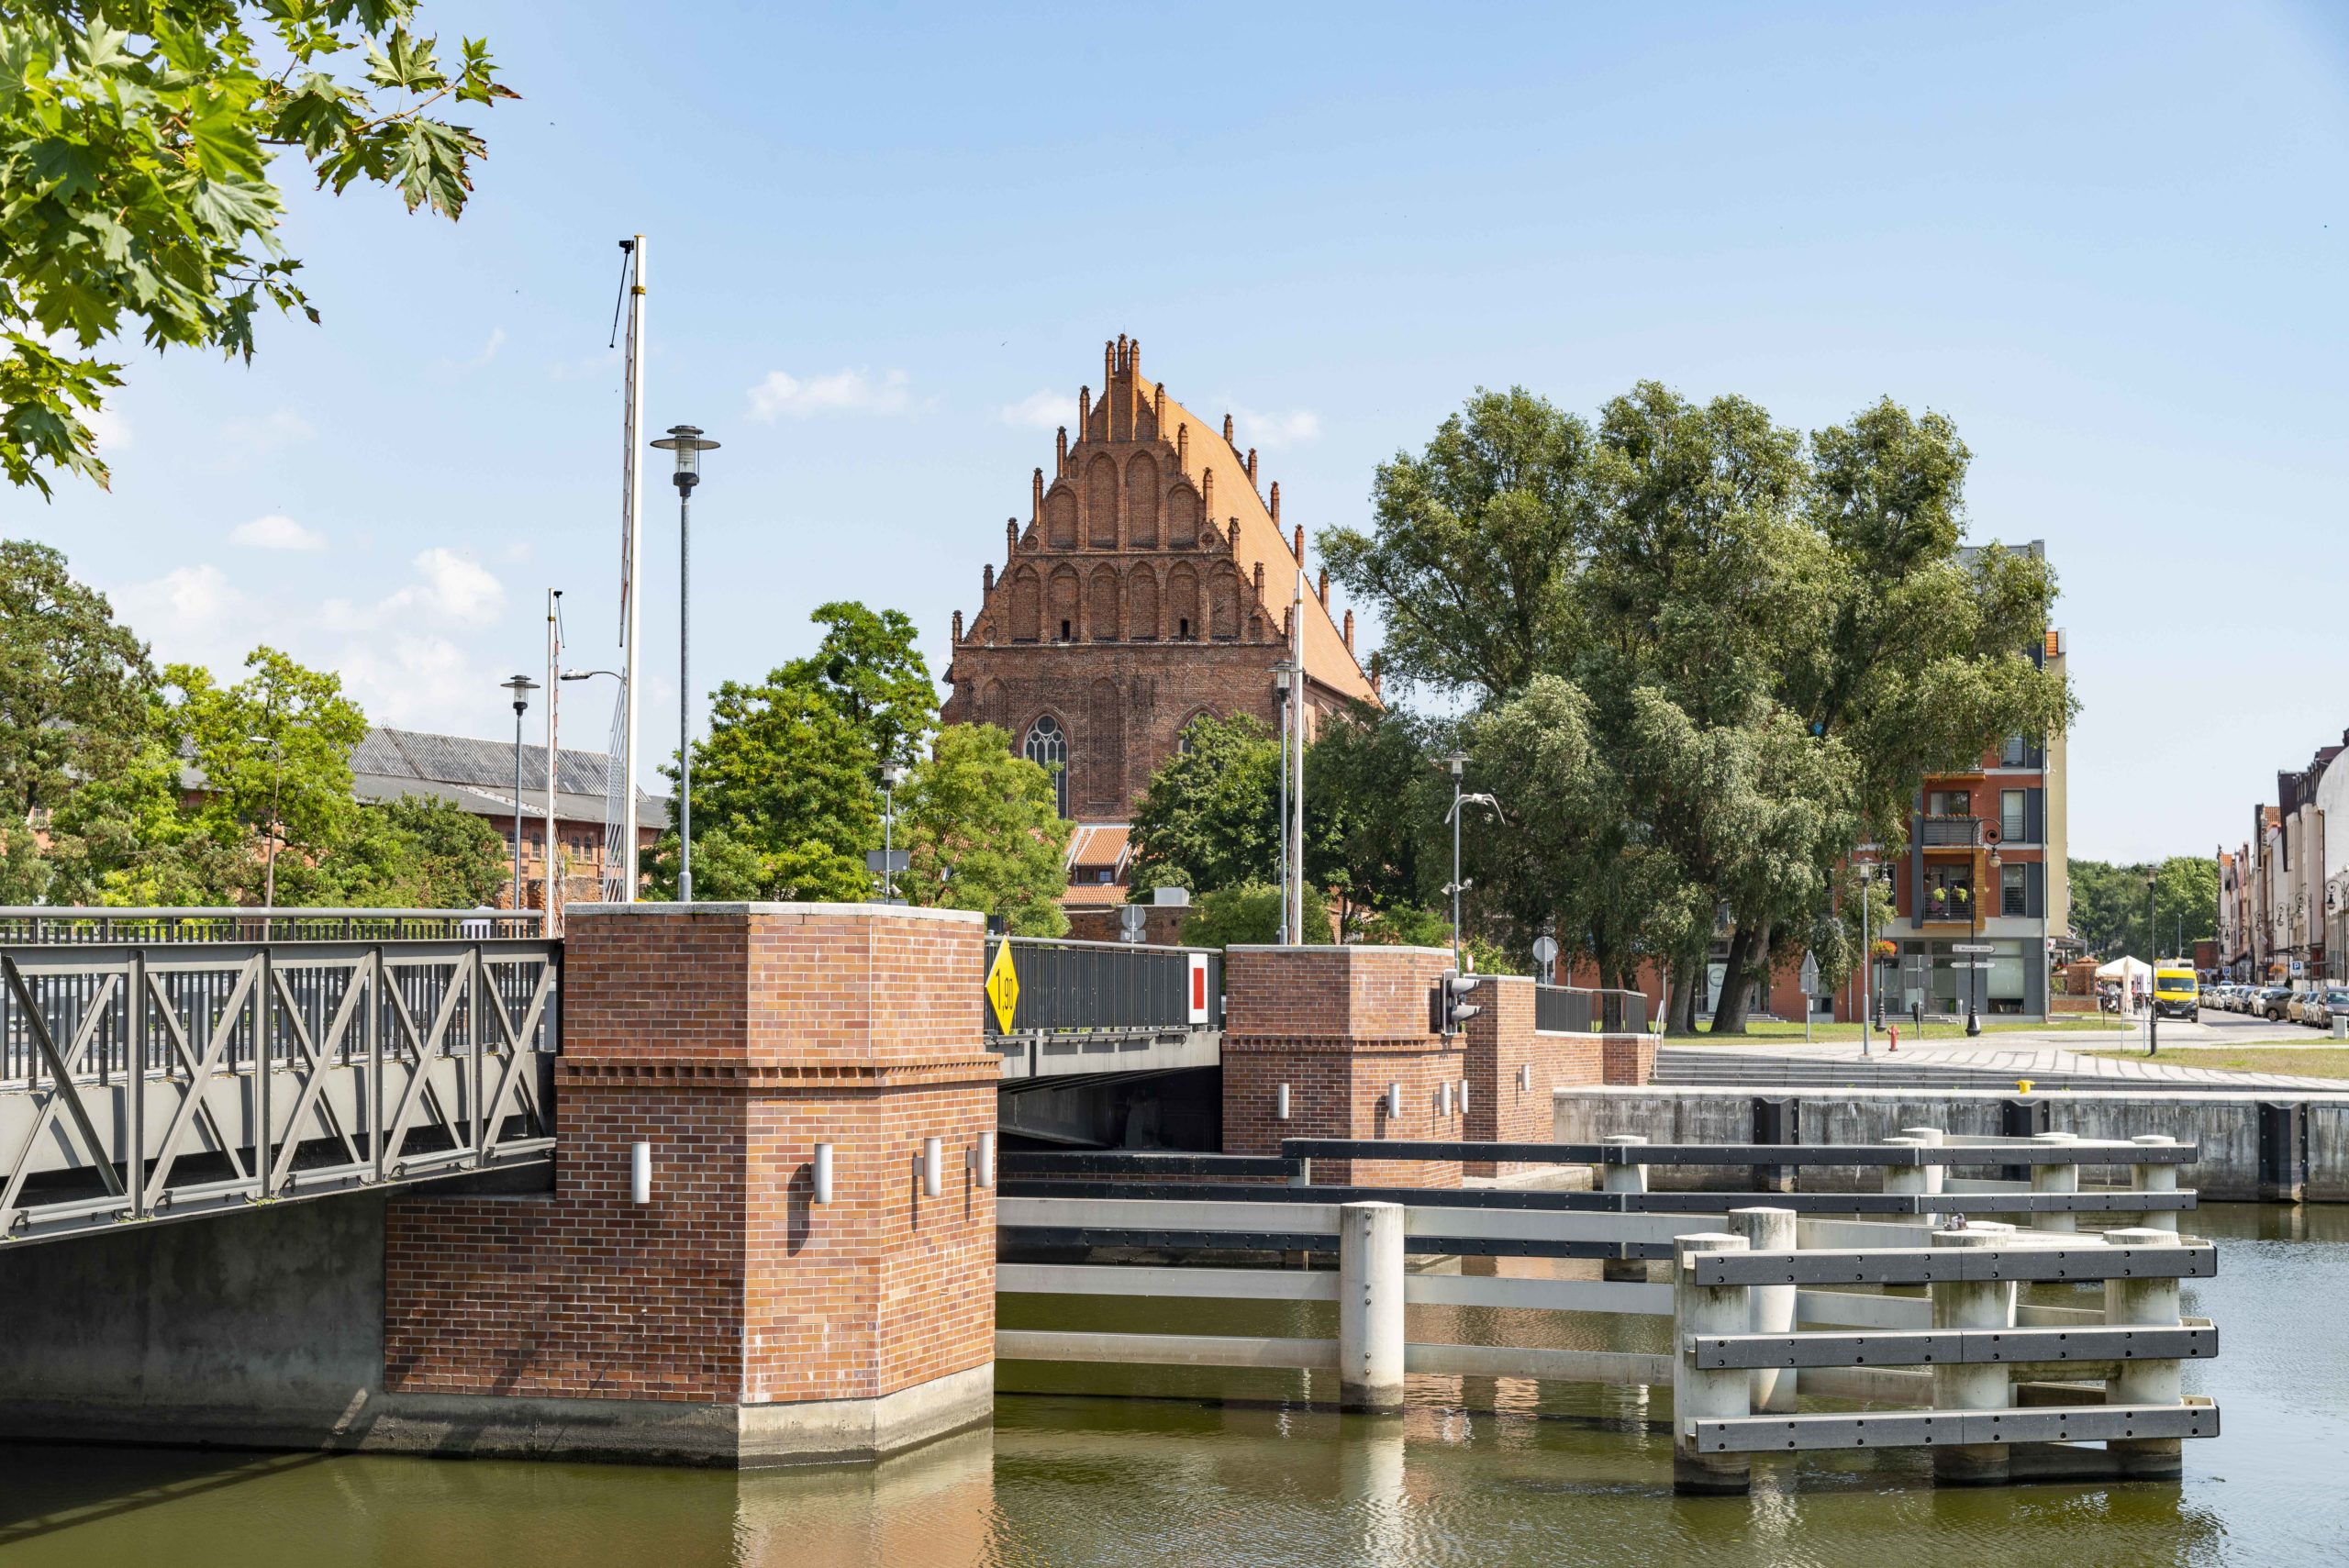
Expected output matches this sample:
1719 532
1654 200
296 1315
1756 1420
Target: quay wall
2224 1126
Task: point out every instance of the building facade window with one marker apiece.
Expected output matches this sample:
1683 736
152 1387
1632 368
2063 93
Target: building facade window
1047 747
2013 897
2013 826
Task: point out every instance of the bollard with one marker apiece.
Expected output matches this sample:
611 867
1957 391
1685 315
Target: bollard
1704 1311
1370 1306
1623 1179
1912 1180
2148 1303
1770 1307
1936 1176
2160 1178
1776 1119
1972 1303
2055 1179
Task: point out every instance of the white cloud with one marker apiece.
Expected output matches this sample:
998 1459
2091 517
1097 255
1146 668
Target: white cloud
1273 431
448 590
488 350
111 428
417 680
192 615
276 531
604 361
1039 410
842 392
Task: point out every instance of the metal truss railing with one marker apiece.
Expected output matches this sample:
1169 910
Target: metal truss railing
96 926
141 1083
1072 987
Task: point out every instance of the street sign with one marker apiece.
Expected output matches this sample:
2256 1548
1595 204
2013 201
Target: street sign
1810 974
1545 952
1133 921
1003 987
885 862
1973 947
1975 963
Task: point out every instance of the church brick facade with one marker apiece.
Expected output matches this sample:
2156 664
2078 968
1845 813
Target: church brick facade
1151 583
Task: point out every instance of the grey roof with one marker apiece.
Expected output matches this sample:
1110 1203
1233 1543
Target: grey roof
478 775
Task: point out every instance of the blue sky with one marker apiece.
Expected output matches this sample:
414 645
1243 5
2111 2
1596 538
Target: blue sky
887 244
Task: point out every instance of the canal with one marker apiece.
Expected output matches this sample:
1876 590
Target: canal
1247 1472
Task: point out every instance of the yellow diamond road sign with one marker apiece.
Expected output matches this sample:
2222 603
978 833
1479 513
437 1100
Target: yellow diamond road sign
1003 987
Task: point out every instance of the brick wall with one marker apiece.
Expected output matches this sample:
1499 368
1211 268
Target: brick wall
1339 1025
1501 1043
732 1038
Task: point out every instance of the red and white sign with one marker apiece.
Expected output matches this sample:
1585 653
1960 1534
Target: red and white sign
1198 988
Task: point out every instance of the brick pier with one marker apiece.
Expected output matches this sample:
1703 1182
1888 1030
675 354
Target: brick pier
733 1319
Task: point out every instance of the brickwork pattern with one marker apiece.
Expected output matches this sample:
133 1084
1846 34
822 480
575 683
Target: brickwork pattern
733 1043
1502 1043
1340 1025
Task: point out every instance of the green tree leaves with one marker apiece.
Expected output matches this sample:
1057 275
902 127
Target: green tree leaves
135 192
980 831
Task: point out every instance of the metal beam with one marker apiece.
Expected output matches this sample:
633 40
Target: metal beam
1964 1346
1927 1428
1924 1266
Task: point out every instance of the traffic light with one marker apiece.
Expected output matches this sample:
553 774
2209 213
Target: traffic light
1449 1008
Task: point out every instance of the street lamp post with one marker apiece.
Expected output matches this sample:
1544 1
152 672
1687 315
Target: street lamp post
686 442
1868 954
1458 763
268 855
892 775
604 876
1974 985
521 686
2153 1007
1281 673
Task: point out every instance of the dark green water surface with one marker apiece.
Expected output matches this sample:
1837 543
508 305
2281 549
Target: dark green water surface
1478 1472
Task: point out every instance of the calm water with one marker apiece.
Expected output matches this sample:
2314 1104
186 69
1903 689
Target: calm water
1477 1472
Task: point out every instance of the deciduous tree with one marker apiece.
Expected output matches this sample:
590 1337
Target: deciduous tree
981 831
136 197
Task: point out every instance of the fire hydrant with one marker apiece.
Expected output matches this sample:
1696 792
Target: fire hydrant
1895 1032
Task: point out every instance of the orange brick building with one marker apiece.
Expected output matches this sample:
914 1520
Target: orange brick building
1151 583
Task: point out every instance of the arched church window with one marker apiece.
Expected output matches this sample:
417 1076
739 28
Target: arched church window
1047 747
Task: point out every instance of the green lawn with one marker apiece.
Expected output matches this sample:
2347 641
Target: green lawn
2299 1063
1777 1032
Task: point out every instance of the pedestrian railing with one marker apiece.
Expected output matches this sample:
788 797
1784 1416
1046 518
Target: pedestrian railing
41 925
137 1082
1803 1299
1570 1010
1071 988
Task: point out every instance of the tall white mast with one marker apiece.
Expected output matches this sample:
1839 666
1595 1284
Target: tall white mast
632 546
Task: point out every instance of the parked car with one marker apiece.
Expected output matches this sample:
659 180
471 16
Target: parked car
2271 1003
2235 997
2325 1005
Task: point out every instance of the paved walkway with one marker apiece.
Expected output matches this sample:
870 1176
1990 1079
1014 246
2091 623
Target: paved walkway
2000 1060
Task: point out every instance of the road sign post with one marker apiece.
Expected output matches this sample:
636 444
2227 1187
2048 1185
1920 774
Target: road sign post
1003 987
1809 990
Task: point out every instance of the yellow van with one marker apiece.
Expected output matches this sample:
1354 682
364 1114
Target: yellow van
2175 993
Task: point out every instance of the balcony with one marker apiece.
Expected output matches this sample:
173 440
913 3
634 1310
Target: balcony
1948 832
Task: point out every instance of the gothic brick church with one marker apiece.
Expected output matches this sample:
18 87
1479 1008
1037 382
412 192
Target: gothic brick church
1151 583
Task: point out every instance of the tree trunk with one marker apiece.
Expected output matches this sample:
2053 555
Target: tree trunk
1754 966
1683 1019
1729 1007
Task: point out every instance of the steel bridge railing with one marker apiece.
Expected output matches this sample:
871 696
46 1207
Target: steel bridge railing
189 1076
1069 987
1573 1009
45 926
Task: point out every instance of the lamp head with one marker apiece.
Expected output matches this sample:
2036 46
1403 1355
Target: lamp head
686 442
1457 762
521 686
892 775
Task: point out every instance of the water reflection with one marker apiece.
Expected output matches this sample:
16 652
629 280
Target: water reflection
1253 1471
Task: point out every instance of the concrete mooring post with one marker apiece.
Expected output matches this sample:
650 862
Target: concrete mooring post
1370 1306
2147 1303
1623 1179
2055 1179
1699 1312
1972 1303
1770 1307
2161 1178
1915 1181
